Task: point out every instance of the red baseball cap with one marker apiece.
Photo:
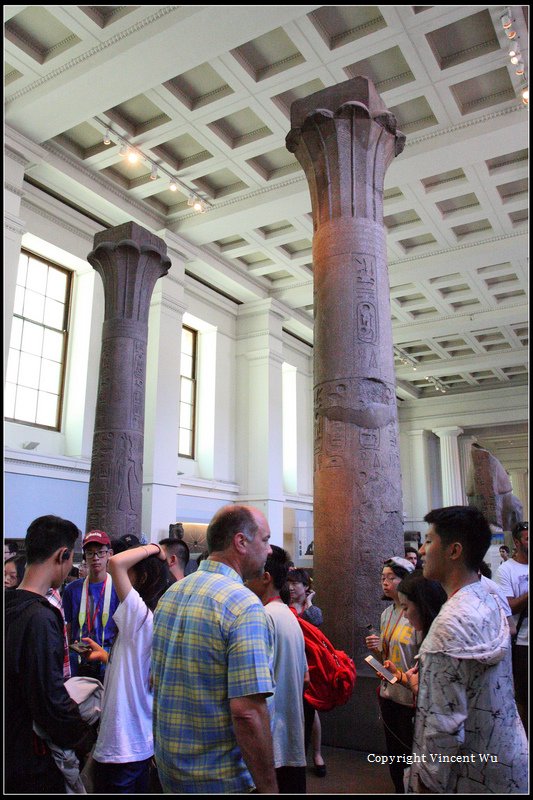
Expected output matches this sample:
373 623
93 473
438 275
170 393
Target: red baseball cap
97 537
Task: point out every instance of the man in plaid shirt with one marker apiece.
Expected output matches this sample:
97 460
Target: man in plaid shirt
210 666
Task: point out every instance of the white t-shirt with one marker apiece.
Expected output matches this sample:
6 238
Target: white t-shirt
125 733
514 580
289 665
494 588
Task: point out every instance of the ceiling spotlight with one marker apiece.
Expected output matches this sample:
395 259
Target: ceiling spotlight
107 137
525 96
123 149
514 50
173 186
133 156
510 33
506 20
153 173
520 68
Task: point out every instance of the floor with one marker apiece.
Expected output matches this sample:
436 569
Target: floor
349 772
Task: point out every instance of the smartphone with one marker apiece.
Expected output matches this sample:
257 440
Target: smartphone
385 673
80 648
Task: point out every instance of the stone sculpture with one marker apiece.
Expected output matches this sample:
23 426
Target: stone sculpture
488 487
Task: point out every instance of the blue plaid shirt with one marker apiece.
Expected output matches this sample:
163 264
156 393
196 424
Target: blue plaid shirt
211 644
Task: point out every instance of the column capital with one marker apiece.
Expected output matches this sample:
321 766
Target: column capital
450 432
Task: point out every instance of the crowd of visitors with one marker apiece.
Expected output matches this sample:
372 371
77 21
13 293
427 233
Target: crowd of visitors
204 673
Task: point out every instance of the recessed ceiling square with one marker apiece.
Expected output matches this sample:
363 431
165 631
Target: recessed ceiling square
340 25
106 15
268 55
387 69
199 86
281 228
453 204
513 189
286 99
483 91
508 160
393 221
220 183
128 175
414 115
181 152
275 164
84 140
417 241
240 128
480 226
519 217
463 40
436 181
138 115
39 34
10 74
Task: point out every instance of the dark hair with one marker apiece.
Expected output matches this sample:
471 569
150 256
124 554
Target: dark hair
46 534
178 548
12 545
299 576
504 547
226 523
277 564
519 528
399 571
20 565
466 525
485 569
428 596
152 579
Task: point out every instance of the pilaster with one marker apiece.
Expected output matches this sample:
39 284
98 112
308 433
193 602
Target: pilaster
452 490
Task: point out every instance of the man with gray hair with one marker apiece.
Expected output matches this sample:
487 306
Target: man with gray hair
210 667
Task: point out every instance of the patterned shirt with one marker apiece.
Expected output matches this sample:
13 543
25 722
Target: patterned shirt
211 644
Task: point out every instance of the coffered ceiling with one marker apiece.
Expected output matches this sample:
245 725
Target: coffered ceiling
205 92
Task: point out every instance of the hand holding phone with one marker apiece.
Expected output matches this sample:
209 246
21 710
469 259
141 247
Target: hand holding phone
80 648
381 670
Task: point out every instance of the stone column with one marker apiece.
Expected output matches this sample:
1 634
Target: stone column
452 490
519 483
345 139
129 260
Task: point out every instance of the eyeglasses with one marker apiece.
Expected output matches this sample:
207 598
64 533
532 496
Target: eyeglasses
90 554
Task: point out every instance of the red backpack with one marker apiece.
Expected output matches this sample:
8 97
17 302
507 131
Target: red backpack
332 673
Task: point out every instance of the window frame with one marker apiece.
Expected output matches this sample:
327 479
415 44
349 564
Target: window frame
65 333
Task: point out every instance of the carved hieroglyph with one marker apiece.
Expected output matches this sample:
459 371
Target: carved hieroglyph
488 487
345 139
129 260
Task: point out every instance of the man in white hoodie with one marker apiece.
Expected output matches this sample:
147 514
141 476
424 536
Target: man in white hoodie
468 735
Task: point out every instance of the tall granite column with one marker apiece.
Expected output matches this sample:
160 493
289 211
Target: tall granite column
129 260
345 139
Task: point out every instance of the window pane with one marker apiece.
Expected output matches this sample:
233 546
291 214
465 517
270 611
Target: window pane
57 285
37 276
9 400
32 338
50 379
29 368
185 443
22 270
187 341
186 416
16 333
186 390
47 409
26 404
53 345
12 366
18 307
54 314
186 366
34 306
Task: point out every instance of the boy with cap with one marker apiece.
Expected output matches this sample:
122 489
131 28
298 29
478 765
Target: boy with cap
89 604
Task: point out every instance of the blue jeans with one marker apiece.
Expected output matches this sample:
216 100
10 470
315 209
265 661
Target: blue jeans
131 778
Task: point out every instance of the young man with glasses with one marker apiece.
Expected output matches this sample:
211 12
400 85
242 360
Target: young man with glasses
89 604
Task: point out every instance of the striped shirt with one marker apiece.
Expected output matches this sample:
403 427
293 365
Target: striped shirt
211 644
54 598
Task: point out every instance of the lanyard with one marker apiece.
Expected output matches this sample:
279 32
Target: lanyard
85 610
386 641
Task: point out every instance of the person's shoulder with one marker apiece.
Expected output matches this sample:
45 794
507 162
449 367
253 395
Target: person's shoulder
73 587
